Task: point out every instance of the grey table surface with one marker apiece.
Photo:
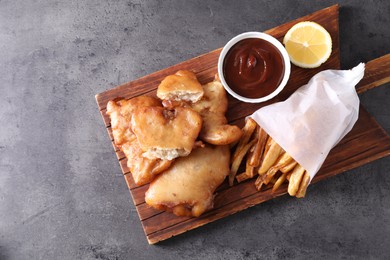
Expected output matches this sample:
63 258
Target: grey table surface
62 195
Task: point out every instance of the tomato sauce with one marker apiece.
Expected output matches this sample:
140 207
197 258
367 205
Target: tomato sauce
253 68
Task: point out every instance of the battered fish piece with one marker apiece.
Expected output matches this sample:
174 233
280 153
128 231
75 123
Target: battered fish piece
164 133
120 113
183 85
212 108
142 169
187 188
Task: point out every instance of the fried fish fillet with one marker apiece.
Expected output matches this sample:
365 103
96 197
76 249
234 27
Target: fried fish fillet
164 133
187 188
142 169
212 108
120 113
183 85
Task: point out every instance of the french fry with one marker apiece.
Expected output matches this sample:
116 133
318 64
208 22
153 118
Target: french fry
249 170
270 174
258 151
295 180
259 182
279 182
237 161
288 167
284 160
247 131
262 148
268 144
250 154
303 186
242 177
270 156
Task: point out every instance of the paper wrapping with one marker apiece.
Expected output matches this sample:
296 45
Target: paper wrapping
314 118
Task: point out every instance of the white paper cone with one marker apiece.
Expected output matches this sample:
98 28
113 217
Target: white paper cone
315 118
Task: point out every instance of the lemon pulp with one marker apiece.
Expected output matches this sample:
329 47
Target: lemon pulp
308 44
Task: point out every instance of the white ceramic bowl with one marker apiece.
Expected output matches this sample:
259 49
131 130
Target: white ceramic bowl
270 39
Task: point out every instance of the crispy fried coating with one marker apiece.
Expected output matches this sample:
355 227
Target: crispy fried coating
183 85
142 169
212 108
164 133
187 187
120 113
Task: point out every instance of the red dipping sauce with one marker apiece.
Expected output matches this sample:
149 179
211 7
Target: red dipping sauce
253 68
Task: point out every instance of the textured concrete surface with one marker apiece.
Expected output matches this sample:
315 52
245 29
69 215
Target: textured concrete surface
62 195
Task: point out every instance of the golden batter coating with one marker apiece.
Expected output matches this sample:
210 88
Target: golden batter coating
142 169
212 108
166 134
183 85
187 187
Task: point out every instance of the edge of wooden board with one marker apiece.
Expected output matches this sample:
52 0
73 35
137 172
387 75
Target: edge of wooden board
135 88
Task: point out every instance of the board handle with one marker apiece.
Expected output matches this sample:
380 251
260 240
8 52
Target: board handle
377 73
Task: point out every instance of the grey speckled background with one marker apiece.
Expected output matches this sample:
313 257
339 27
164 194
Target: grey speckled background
62 195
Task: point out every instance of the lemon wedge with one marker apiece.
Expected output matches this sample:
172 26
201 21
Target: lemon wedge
308 44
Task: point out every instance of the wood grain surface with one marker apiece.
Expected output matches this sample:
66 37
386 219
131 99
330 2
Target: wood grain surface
365 143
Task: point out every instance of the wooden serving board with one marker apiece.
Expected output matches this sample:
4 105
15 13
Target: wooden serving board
365 143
